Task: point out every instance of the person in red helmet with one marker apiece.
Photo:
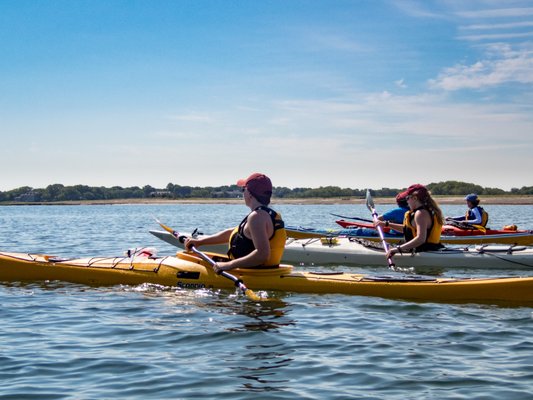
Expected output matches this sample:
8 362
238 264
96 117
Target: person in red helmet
259 240
396 215
422 223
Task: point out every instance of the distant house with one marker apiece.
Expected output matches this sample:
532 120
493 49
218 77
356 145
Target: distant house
235 193
161 193
225 194
26 197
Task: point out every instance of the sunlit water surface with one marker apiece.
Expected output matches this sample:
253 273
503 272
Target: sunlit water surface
61 340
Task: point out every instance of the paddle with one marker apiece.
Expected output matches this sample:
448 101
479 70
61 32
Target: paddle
168 228
354 218
371 207
465 225
295 232
238 282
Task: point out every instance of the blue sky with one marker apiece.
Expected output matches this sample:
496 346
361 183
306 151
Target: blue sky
361 93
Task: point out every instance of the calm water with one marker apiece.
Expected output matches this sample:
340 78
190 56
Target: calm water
60 340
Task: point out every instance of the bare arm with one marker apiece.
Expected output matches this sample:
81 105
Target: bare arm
217 238
422 223
392 225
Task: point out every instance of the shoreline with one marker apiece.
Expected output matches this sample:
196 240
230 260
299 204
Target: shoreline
485 200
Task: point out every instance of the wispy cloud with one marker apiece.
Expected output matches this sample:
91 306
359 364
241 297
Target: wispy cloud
383 116
191 117
509 25
334 41
496 13
499 36
505 65
417 9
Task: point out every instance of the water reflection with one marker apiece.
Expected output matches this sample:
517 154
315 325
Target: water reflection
262 373
247 334
267 315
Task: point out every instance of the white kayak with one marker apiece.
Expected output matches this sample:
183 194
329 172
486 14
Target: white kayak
351 252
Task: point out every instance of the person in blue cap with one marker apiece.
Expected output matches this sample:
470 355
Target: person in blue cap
475 216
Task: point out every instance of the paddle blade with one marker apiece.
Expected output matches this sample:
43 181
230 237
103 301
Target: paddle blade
371 207
251 295
238 283
369 201
167 228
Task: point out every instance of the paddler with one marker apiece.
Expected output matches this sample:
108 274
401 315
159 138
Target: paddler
422 223
475 216
259 240
393 216
396 215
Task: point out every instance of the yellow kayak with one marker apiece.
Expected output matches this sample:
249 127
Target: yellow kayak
188 271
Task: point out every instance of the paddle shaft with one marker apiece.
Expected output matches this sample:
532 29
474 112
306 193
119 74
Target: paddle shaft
370 205
354 218
238 282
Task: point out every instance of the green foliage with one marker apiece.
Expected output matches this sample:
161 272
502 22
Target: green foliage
59 192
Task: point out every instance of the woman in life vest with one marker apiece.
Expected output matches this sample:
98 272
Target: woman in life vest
259 240
422 223
475 215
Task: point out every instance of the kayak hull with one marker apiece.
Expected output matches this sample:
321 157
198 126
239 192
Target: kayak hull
348 252
449 235
190 272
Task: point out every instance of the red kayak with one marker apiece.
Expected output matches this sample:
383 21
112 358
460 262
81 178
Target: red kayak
456 235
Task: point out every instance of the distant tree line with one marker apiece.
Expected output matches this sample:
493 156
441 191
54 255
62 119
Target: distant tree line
58 192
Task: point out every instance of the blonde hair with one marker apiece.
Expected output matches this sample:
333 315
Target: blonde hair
434 207
424 196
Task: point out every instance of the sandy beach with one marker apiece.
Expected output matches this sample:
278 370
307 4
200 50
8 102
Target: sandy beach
485 200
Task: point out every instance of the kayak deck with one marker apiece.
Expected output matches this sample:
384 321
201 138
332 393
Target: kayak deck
190 272
347 251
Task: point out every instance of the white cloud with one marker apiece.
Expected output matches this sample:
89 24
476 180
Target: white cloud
503 65
510 25
395 121
355 141
401 83
496 36
497 13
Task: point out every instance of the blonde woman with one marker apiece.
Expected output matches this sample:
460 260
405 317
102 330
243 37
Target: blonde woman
422 224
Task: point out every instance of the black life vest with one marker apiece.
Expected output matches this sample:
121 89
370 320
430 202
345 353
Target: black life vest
240 245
